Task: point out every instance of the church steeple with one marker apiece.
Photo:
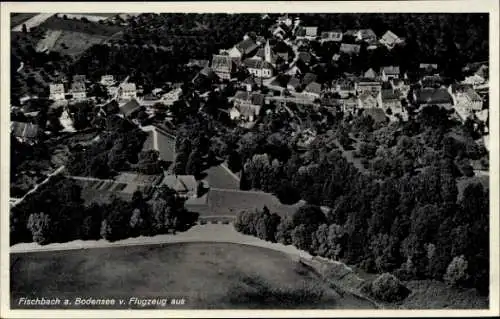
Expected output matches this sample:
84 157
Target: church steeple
267 52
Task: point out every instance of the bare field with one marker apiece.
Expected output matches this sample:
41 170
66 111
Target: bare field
75 43
207 275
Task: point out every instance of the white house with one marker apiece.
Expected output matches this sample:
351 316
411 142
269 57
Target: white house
128 91
78 91
107 80
56 92
259 68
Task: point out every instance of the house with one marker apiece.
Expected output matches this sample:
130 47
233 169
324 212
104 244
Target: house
307 32
390 40
243 49
205 78
79 78
466 98
367 85
475 80
370 74
331 36
25 132
428 68
313 90
56 92
259 68
107 80
350 49
391 99
184 185
389 72
366 35
223 66
368 100
198 63
344 87
78 90
170 97
249 83
127 91
349 105
247 106
130 109
432 96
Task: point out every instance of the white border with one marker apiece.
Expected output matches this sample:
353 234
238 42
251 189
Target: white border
490 6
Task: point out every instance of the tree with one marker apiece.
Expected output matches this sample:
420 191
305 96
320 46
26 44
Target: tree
149 162
193 164
301 237
40 226
311 216
456 271
388 288
24 28
284 231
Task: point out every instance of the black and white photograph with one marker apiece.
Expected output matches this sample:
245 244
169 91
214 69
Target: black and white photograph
324 156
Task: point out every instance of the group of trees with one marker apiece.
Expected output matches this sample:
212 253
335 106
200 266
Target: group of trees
117 149
403 215
57 214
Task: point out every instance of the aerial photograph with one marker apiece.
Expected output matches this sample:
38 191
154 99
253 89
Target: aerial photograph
249 161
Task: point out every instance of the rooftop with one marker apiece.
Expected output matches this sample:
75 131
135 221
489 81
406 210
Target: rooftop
433 96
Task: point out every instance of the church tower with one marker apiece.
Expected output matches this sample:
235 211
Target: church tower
267 52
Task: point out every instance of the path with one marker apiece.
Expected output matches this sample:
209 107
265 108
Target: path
34 189
33 22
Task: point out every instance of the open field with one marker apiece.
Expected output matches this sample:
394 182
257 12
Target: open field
207 275
90 28
71 43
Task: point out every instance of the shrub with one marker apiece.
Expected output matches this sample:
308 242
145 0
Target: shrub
456 271
387 287
203 222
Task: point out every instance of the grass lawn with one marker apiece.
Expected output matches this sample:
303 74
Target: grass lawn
207 275
75 43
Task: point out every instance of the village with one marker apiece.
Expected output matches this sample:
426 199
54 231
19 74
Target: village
291 133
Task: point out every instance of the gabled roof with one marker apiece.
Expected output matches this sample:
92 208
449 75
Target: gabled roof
130 107
391 70
246 46
389 37
222 63
370 74
350 48
79 78
389 94
313 87
180 183
128 87
78 87
257 64
433 96
367 34
24 130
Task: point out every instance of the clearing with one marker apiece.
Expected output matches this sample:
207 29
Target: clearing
207 275
68 42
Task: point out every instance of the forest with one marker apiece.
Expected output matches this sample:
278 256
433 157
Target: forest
403 215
